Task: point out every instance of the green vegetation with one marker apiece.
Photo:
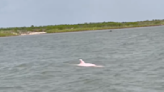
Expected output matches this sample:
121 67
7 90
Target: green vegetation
14 31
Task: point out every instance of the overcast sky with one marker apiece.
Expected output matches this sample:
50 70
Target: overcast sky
18 13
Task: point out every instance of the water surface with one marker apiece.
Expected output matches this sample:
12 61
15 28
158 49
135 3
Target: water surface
133 60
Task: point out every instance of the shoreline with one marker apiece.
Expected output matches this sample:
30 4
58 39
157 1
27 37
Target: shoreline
38 33
36 30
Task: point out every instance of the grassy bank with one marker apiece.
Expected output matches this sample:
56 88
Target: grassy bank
14 31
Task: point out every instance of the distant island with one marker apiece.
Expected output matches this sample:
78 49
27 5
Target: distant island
33 30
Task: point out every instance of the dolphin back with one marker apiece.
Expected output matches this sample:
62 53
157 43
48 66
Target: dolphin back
81 61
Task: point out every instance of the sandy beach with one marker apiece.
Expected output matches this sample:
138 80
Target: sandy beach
33 33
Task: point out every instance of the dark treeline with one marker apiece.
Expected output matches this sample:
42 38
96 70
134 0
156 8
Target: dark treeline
13 31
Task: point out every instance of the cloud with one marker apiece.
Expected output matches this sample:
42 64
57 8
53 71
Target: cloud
3 4
50 12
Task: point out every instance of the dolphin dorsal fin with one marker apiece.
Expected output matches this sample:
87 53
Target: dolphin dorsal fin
81 61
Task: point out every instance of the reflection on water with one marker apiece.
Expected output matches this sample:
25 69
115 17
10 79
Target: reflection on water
133 60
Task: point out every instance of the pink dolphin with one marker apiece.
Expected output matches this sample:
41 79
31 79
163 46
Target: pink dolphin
82 63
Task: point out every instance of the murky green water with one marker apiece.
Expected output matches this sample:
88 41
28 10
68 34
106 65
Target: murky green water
133 60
